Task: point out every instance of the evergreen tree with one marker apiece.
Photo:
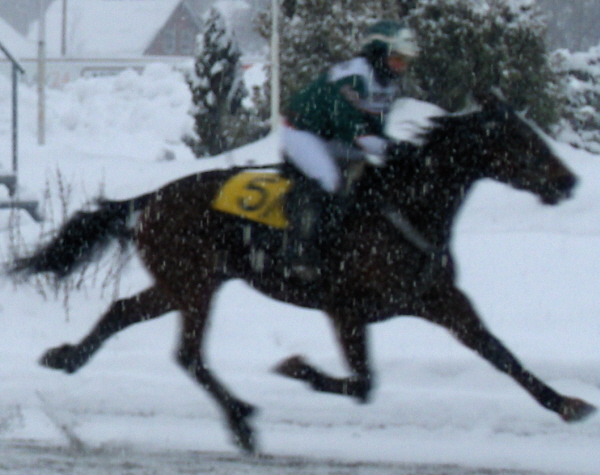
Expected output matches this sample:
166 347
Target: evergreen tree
473 45
217 86
580 124
467 46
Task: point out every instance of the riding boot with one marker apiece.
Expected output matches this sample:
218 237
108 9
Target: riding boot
306 209
337 210
307 260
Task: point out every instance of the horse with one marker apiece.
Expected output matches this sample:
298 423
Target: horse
389 257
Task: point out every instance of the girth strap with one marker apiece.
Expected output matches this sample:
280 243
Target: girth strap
437 257
410 233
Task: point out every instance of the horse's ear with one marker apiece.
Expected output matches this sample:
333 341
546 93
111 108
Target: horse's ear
489 99
493 107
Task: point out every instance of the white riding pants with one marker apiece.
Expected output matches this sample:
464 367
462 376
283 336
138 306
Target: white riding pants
312 156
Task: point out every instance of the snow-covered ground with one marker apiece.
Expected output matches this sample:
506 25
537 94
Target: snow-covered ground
532 271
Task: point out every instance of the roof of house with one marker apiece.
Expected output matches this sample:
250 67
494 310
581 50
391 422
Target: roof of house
13 41
104 28
113 28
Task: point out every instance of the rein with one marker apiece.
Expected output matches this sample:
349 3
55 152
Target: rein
409 232
437 258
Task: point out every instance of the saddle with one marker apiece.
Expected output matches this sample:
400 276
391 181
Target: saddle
284 200
274 196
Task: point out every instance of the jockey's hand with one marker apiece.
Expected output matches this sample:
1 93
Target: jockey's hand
372 144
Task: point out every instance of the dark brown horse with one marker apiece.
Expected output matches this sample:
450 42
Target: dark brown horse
390 257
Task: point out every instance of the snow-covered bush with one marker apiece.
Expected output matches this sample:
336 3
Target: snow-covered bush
217 85
474 45
580 124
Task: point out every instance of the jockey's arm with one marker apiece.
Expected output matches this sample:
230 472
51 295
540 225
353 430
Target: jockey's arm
352 123
349 120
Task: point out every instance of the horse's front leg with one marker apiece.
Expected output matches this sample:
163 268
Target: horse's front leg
146 305
450 308
352 337
191 357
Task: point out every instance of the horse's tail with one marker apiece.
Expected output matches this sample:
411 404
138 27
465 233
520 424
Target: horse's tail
82 239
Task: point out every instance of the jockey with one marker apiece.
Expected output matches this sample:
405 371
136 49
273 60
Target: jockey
341 115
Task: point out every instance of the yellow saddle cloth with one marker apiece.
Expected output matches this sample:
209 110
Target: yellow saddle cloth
257 196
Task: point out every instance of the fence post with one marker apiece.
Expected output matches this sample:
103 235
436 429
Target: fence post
42 74
15 119
16 69
10 181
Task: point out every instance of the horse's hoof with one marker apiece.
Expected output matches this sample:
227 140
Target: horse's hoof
361 391
243 435
576 410
293 367
61 358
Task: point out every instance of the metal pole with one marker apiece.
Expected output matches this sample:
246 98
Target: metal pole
275 86
16 69
42 74
15 116
63 44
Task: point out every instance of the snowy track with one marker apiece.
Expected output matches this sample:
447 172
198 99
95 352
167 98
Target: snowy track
533 272
28 457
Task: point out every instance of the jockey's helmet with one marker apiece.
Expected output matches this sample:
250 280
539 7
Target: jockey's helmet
387 38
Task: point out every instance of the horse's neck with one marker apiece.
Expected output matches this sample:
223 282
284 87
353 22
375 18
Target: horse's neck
430 199
439 208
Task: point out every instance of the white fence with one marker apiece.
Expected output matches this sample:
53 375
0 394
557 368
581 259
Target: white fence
60 71
63 70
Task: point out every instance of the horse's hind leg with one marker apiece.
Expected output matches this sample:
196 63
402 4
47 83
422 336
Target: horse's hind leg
451 309
352 337
191 357
146 305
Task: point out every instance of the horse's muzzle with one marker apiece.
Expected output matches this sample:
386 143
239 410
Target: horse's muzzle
559 189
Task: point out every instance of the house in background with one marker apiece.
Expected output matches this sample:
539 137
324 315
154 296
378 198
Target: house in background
12 40
104 27
177 37
19 13
130 28
104 37
127 28
178 34
119 29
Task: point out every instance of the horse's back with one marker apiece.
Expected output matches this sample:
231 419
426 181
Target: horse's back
197 188
181 229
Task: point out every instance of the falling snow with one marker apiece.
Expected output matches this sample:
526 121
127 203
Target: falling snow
532 271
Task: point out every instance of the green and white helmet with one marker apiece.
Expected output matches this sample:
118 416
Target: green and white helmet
387 37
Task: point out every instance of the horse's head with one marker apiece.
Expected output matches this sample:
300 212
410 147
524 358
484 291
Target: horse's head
515 152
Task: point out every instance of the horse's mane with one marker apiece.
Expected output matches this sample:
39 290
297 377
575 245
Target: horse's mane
459 123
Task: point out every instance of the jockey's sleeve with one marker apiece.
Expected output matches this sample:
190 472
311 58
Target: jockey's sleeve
348 119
